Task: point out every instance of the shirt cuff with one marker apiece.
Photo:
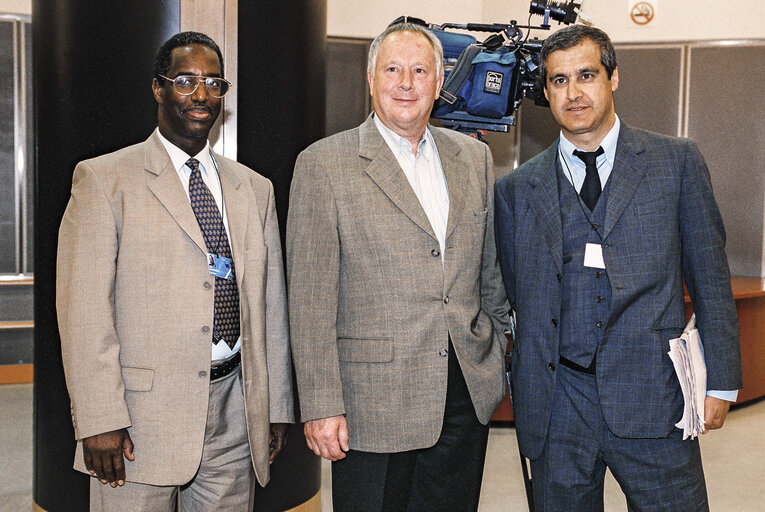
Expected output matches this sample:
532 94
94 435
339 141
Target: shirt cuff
730 396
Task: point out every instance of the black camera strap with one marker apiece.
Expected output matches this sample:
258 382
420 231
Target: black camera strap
459 74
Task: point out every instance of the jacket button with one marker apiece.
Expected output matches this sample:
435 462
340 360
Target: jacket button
435 253
558 277
599 324
446 300
598 274
443 352
202 374
207 285
554 322
599 299
551 366
205 329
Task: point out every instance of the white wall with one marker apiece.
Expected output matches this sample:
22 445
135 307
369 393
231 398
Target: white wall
675 20
16 7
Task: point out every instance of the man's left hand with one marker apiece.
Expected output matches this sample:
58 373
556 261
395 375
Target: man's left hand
715 411
277 440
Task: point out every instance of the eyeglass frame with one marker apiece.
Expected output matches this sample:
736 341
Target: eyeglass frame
199 79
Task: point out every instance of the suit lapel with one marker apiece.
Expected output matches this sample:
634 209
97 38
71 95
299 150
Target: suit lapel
236 213
167 188
545 204
456 180
385 171
625 177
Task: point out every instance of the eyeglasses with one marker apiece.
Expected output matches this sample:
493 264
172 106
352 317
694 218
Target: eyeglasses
186 85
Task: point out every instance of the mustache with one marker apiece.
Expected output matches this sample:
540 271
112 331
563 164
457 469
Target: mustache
197 106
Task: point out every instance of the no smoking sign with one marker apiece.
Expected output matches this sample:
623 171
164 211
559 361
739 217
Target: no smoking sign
641 13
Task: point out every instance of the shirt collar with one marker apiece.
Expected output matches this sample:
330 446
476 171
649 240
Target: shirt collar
179 157
402 147
608 144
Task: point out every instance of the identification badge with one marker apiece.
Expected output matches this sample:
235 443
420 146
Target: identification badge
593 256
219 266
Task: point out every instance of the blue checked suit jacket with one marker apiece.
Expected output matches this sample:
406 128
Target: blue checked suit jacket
662 225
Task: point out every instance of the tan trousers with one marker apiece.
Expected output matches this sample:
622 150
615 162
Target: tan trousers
225 480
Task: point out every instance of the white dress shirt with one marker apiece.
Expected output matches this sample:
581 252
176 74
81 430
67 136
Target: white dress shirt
208 169
425 175
574 168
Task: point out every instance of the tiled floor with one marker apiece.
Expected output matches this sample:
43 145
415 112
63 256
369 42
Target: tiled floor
734 462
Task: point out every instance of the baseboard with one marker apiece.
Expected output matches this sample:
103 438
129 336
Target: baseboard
312 505
16 373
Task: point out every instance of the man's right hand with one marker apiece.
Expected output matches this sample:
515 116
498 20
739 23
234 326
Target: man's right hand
327 437
103 455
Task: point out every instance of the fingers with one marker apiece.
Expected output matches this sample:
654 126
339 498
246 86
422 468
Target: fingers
127 448
277 440
118 468
342 436
323 437
103 456
715 412
107 469
88 461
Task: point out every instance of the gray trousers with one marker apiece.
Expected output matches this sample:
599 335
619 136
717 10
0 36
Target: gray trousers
225 480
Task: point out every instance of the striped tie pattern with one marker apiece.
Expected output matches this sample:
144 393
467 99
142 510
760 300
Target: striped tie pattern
226 308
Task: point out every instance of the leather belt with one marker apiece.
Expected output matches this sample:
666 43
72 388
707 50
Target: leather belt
225 367
577 367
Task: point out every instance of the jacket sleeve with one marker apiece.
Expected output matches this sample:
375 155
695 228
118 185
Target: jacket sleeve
313 278
281 408
493 297
706 273
85 279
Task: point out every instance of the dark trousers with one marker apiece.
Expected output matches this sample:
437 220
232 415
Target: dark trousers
444 477
656 475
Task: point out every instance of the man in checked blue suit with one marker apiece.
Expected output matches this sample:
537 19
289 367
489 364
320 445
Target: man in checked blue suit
593 245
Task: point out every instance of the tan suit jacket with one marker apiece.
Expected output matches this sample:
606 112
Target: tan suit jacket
135 307
371 306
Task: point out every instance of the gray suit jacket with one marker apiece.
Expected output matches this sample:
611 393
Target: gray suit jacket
372 308
662 225
133 302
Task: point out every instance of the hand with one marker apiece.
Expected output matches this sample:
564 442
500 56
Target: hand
715 411
103 455
327 437
277 440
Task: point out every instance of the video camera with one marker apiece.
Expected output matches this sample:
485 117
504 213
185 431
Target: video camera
486 82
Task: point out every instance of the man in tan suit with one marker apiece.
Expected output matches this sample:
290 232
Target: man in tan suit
396 302
172 309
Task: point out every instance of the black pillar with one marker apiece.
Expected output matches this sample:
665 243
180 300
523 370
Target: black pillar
92 79
281 101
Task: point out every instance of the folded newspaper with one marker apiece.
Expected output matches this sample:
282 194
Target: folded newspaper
687 354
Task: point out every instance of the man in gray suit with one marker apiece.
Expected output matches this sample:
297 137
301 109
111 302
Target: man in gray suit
396 304
595 236
172 308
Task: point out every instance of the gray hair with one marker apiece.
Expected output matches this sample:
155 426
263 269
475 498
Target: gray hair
374 48
571 36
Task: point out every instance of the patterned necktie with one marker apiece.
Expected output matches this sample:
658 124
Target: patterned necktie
590 191
226 308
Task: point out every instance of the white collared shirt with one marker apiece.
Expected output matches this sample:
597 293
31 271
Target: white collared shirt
208 170
426 176
574 168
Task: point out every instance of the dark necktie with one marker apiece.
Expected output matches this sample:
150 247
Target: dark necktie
226 308
590 191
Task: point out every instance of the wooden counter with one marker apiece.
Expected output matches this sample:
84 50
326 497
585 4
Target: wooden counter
749 293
